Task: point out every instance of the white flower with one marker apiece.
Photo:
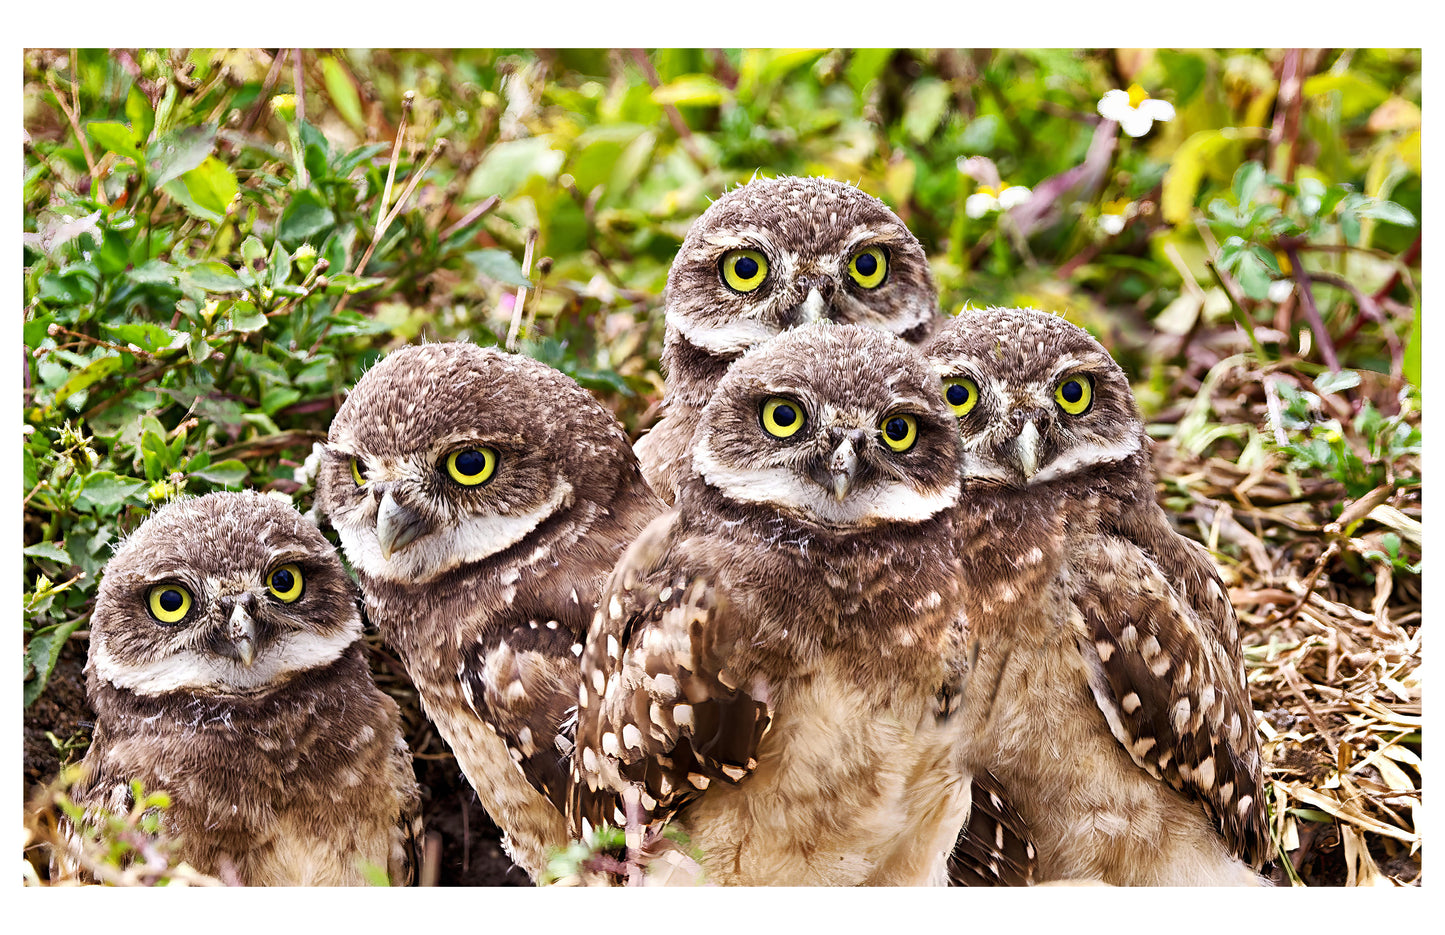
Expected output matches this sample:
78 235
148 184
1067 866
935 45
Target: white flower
988 199
1116 214
1280 289
1135 110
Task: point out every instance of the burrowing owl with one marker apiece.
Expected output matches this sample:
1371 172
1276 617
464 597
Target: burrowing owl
768 256
1102 632
772 666
482 498
226 668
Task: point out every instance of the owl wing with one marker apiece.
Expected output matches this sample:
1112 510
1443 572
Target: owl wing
995 848
521 680
1172 690
1187 564
660 715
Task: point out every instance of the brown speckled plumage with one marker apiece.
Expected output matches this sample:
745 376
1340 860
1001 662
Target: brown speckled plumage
288 771
491 589
771 666
808 229
1120 725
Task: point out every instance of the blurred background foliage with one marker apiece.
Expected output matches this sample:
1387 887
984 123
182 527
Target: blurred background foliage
219 242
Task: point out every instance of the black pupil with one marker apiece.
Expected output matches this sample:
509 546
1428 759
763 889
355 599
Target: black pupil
746 268
957 394
785 416
471 463
171 601
867 264
282 580
1073 391
897 429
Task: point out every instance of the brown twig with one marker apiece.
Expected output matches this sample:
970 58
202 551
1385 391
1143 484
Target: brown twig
1312 313
521 299
486 206
684 132
273 73
71 115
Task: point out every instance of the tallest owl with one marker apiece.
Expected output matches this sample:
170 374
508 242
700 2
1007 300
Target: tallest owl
765 257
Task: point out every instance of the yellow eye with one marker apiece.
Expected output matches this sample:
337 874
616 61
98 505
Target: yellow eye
285 582
1075 394
471 466
169 603
356 473
782 417
869 267
961 394
900 432
744 270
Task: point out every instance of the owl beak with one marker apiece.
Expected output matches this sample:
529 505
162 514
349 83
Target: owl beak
242 630
1028 450
842 469
814 307
397 526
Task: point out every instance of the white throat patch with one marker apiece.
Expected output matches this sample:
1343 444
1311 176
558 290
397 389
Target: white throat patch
197 671
887 502
443 549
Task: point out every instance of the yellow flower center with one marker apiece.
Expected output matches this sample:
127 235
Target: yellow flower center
1118 207
991 191
1137 95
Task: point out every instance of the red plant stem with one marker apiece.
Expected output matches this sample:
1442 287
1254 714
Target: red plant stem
1312 313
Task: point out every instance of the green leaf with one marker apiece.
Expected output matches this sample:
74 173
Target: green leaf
865 65
345 282
304 218
927 103
143 335
279 265
1412 350
175 154
1186 172
1387 211
246 318
41 653
48 550
103 488
213 276
507 167
88 376
212 185
115 137
225 473
278 398
692 90
1247 180
1253 275
499 266
343 93
1357 93
140 113
1335 382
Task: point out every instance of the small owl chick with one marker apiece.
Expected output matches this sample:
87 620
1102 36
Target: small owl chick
482 498
1120 724
771 666
767 256
226 667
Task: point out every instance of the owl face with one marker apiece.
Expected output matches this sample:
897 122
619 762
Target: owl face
1036 398
230 593
839 427
446 454
778 253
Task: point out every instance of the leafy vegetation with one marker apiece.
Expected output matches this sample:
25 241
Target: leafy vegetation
218 243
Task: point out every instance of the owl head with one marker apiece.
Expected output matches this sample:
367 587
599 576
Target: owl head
446 454
777 253
230 593
838 427
1036 398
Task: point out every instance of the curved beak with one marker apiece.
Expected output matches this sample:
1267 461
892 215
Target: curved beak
397 525
842 468
1027 449
814 308
242 632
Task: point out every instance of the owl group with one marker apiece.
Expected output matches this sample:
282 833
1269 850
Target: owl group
884 597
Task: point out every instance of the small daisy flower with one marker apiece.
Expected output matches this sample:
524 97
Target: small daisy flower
1280 289
989 198
1116 214
1135 110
